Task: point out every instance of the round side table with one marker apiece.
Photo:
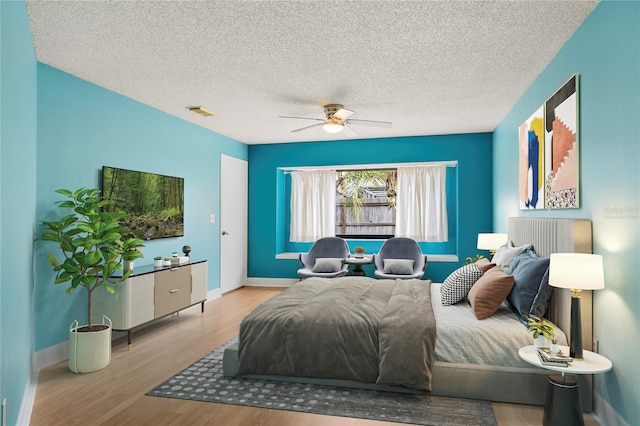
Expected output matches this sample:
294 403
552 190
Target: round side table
562 405
357 263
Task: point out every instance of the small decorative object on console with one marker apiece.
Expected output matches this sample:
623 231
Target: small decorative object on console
186 250
359 251
179 260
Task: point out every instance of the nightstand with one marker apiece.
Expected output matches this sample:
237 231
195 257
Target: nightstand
562 406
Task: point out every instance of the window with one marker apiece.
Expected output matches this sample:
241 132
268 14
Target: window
365 203
360 202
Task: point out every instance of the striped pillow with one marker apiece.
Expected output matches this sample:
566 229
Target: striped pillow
457 285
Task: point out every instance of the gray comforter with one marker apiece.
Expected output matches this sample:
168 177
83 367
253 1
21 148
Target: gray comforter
349 328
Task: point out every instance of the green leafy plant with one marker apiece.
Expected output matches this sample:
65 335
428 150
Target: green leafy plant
540 327
92 242
468 260
157 258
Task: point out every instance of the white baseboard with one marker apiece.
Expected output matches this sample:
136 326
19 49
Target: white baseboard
270 282
605 414
214 294
50 356
28 400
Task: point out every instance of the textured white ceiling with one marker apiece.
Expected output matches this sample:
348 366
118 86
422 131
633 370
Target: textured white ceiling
432 67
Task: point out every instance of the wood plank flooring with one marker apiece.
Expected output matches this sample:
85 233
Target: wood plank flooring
116 394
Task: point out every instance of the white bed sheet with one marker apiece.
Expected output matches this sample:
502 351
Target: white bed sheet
462 338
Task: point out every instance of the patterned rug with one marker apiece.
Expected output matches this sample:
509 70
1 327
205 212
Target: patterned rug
204 381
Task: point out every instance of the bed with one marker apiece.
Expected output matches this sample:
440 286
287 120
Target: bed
451 371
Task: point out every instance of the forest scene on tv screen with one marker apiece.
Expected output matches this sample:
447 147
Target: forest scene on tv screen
154 203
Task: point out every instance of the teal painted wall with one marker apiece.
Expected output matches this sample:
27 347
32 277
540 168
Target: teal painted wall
266 189
82 127
605 52
17 204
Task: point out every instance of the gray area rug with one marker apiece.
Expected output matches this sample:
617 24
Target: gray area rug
204 381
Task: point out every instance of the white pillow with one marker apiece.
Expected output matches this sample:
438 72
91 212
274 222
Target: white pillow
505 254
398 266
327 264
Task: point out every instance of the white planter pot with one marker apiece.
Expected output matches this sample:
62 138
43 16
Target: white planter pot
157 263
541 342
89 351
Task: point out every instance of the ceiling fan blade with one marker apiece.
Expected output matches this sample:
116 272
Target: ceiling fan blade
375 123
302 118
350 131
343 114
306 127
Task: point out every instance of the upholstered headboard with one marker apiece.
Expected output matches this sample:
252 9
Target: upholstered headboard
551 235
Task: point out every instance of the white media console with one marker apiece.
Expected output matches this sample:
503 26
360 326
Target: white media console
152 293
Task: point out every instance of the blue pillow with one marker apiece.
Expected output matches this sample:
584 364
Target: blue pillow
530 291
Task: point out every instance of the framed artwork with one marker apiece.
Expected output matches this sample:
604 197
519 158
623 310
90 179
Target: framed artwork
561 147
531 161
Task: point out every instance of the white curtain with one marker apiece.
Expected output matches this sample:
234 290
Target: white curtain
421 203
313 205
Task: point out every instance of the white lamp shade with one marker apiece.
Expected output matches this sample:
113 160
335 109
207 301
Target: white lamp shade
578 271
332 127
491 241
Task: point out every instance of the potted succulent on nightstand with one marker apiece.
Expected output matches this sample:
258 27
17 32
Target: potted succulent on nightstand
157 261
94 247
542 331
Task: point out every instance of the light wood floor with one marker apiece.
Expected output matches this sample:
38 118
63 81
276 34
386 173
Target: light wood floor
116 394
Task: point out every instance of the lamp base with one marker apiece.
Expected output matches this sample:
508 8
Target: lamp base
575 343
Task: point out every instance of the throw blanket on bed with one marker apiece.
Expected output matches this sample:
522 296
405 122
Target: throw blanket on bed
349 328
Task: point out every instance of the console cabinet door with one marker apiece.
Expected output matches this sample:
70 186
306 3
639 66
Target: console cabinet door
134 305
198 282
172 290
139 305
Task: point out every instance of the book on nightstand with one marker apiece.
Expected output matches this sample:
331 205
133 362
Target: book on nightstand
558 359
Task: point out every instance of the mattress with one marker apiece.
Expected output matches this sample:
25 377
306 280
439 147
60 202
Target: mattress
462 338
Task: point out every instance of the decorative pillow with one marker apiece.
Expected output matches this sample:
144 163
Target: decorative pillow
457 285
398 266
528 271
488 293
505 254
327 264
484 264
543 297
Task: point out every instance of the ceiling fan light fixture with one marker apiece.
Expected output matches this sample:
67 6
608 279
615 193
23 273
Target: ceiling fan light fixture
332 127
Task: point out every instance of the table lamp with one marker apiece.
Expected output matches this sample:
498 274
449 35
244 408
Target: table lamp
577 272
491 242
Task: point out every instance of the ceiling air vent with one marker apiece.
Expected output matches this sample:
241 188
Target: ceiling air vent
205 112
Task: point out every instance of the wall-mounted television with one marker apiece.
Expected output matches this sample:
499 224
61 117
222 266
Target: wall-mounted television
154 203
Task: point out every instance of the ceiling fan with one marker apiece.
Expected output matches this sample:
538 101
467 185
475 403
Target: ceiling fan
337 119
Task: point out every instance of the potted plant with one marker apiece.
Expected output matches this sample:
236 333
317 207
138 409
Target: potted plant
157 261
468 260
94 247
542 331
359 251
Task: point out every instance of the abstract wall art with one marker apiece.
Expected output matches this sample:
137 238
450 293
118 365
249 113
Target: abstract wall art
531 159
561 149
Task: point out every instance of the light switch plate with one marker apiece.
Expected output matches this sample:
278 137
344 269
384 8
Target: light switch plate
212 218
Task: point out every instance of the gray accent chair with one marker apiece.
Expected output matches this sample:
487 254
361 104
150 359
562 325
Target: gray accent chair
400 248
327 247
